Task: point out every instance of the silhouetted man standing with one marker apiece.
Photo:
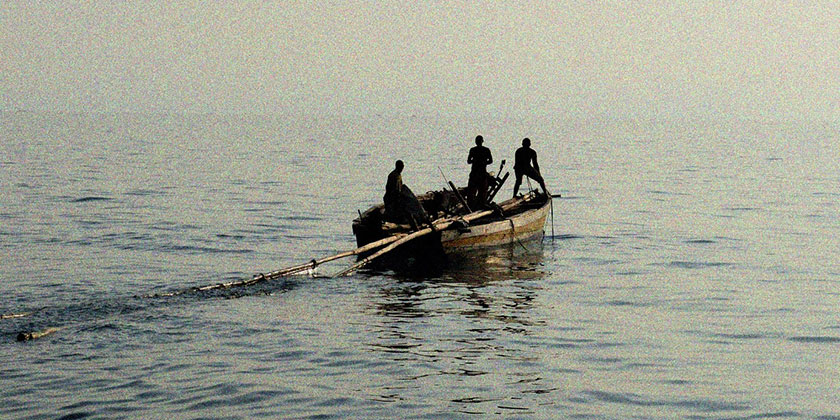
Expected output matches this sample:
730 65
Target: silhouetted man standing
479 157
393 193
524 156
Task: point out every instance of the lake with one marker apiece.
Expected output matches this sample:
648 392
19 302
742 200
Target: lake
691 270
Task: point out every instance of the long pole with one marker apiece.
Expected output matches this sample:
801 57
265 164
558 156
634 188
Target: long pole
552 217
455 190
288 270
436 226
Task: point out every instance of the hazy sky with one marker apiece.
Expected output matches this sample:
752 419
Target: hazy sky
749 59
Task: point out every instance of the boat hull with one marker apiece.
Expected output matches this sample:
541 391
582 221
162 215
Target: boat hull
524 220
528 225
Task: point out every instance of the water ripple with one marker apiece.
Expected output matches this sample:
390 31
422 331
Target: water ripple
689 277
816 339
694 404
694 265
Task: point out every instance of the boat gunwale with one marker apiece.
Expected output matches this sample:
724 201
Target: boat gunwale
530 204
506 229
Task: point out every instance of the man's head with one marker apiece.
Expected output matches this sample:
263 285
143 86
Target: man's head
526 142
399 165
479 140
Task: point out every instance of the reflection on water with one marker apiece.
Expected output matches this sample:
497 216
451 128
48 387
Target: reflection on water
469 325
693 273
475 280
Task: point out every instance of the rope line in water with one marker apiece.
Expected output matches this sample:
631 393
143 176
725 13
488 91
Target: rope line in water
513 233
384 245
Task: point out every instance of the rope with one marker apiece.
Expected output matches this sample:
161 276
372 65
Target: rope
552 216
513 232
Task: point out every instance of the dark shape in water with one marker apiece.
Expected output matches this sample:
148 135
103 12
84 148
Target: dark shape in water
91 198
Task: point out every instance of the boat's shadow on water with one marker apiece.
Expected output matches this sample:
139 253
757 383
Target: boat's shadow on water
506 275
502 275
522 260
470 320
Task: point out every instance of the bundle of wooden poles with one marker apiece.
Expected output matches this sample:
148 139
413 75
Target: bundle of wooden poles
382 247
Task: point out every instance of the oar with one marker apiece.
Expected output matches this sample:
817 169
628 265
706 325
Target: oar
460 197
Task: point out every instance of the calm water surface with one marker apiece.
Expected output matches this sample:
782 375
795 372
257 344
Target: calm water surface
693 272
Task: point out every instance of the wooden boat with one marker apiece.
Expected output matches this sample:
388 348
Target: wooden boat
518 219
